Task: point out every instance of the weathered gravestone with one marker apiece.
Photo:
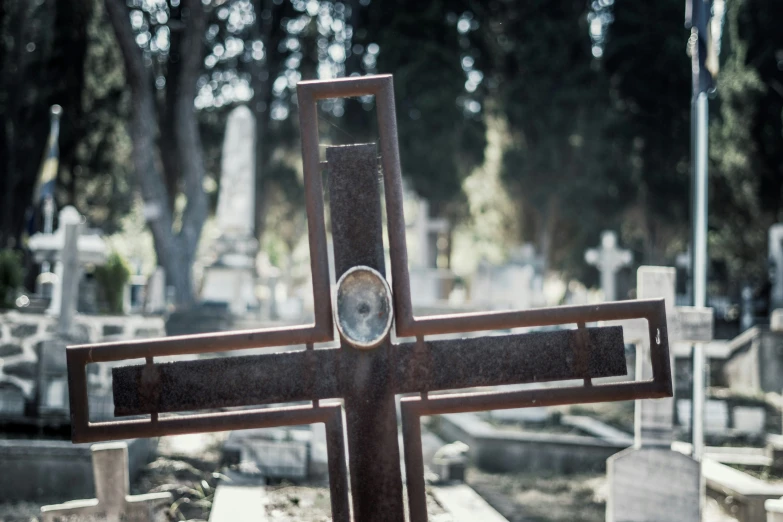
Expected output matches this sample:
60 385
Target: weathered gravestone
650 482
609 259
230 280
433 284
90 249
367 371
775 246
155 292
113 503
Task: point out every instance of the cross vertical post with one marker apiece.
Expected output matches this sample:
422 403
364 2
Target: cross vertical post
354 197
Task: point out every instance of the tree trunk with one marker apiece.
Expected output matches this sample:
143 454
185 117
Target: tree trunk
176 250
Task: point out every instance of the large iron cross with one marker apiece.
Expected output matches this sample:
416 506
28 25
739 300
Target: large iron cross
368 370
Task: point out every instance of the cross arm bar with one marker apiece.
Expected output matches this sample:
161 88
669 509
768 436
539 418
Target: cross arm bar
226 382
510 359
322 374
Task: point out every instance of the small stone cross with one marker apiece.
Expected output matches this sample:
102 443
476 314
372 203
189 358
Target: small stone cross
113 502
365 366
609 259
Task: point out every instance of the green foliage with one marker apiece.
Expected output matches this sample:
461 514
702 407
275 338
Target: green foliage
112 278
441 129
739 220
554 97
11 276
649 71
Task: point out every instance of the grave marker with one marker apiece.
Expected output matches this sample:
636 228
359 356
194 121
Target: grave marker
230 280
428 231
113 503
368 370
90 248
650 482
776 265
609 259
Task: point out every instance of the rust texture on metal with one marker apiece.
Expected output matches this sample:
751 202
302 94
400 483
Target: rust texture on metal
437 365
366 380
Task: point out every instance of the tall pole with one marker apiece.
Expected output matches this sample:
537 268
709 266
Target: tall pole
703 65
699 260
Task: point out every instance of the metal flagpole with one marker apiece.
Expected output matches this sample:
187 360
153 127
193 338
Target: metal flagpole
703 66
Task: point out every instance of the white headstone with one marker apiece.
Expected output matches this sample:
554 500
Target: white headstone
507 287
609 259
155 298
232 278
750 420
654 418
427 234
776 264
653 485
235 214
649 482
91 249
112 487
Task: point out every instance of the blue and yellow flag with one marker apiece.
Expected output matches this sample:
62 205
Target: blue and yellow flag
47 174
703 46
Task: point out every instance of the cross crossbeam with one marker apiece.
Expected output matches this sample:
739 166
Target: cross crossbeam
439 365
369 369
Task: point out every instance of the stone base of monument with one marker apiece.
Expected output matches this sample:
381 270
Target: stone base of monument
231 285
56 470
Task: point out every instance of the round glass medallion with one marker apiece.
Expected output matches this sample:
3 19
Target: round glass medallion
363 307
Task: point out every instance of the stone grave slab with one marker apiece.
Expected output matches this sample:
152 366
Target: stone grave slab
653 484
465 505
750 420
271 452
238 504
112 485
650 482
775 245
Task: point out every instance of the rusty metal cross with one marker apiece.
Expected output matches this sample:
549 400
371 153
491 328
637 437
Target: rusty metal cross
368 370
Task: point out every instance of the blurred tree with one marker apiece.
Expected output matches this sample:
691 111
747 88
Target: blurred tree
739 223
163 62
747 141
60 52
552 93
432 49
649 73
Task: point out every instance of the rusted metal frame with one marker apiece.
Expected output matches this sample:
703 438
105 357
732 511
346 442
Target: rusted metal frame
77 357
323 374
414 461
